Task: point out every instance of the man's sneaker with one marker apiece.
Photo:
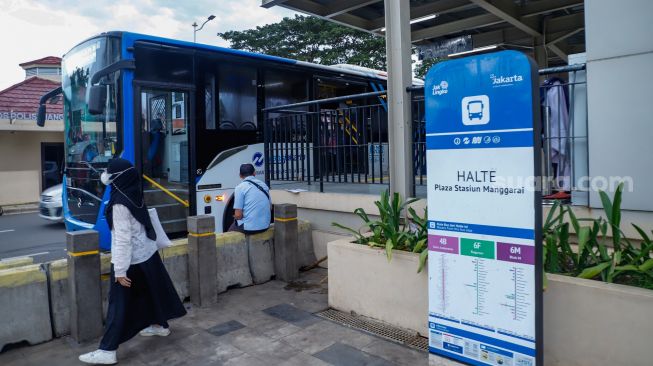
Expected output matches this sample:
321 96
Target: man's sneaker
99 357
155 331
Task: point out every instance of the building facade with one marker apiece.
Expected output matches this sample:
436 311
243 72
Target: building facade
31 157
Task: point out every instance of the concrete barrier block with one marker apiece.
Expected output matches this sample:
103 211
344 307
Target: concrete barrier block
306 255
261 256
175 259
59 299
59 296
15 262
105 278
286 247
233 263
25 313
201 224
84 285
202 258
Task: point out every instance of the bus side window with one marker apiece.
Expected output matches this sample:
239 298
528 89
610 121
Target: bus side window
237 98
209 104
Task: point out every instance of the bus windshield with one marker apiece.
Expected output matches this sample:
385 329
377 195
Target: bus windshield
91 140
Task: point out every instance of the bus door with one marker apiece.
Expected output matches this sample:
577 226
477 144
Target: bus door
164 127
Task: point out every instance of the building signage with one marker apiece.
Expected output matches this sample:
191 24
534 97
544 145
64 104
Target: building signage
29 116
484 213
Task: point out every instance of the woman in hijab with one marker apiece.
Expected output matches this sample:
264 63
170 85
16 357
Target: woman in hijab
142 297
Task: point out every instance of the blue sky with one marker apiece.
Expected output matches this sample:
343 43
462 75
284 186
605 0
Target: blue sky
33 29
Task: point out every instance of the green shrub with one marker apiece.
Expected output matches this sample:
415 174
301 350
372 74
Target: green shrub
624 263
398 227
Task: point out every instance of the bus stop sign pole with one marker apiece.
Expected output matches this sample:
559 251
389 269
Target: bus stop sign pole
484 211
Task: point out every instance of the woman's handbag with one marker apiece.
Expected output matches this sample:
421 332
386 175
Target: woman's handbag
162 240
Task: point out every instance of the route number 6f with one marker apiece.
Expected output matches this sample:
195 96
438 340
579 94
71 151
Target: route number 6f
477 245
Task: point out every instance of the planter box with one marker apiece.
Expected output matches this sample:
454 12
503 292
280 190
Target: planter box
362 280
589 322
585 322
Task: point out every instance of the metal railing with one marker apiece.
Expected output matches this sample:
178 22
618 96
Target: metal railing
335 140
344 140
419 139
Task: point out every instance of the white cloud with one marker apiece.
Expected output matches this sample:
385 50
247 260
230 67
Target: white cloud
33 29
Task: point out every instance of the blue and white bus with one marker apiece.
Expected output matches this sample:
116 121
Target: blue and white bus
186 114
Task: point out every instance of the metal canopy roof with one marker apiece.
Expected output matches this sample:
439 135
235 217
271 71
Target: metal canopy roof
522 24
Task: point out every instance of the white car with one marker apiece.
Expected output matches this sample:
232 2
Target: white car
51 205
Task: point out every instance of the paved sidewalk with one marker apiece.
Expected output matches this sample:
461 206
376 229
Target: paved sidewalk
270 324
18 209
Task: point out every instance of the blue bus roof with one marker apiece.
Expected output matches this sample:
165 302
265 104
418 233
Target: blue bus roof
129 38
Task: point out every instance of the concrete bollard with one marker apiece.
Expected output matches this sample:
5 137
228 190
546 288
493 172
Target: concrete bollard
84 285
286 247
260 255
202 258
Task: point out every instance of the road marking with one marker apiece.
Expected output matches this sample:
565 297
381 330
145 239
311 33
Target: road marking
25 255
6 231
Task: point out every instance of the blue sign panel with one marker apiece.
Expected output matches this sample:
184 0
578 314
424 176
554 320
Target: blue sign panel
484 212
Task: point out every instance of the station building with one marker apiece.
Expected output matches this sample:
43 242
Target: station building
32 156
601 60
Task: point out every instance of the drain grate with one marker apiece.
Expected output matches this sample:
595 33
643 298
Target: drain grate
383 330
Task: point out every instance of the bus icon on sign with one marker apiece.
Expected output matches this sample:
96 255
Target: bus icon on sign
475 110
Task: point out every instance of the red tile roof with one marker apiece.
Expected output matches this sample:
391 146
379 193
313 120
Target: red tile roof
48 60
25 96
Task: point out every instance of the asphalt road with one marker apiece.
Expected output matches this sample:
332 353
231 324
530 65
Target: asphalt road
29 235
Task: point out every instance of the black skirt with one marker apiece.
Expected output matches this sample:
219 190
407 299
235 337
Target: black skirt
151 299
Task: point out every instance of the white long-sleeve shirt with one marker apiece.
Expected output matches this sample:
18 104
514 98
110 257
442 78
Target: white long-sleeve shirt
129 241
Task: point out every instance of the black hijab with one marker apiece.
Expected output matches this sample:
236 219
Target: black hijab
126 190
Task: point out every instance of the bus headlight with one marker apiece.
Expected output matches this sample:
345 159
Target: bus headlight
220 197
207 199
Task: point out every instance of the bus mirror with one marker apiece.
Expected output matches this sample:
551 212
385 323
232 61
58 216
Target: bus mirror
40 113
40 116
97 98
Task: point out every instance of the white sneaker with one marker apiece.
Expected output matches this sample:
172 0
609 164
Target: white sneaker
155 331
99 357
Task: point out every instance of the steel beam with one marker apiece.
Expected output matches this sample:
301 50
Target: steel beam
270 3
543 7
456 26
313 8
345 6
438 7
508 11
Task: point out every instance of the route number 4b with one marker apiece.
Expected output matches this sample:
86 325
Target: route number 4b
443 241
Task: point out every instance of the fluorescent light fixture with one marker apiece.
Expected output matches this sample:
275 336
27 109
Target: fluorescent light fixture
423 19
417 20
475 50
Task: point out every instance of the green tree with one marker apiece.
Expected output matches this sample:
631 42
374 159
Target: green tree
314 40
423 68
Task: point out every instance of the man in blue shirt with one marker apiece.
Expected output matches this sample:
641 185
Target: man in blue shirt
251 203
